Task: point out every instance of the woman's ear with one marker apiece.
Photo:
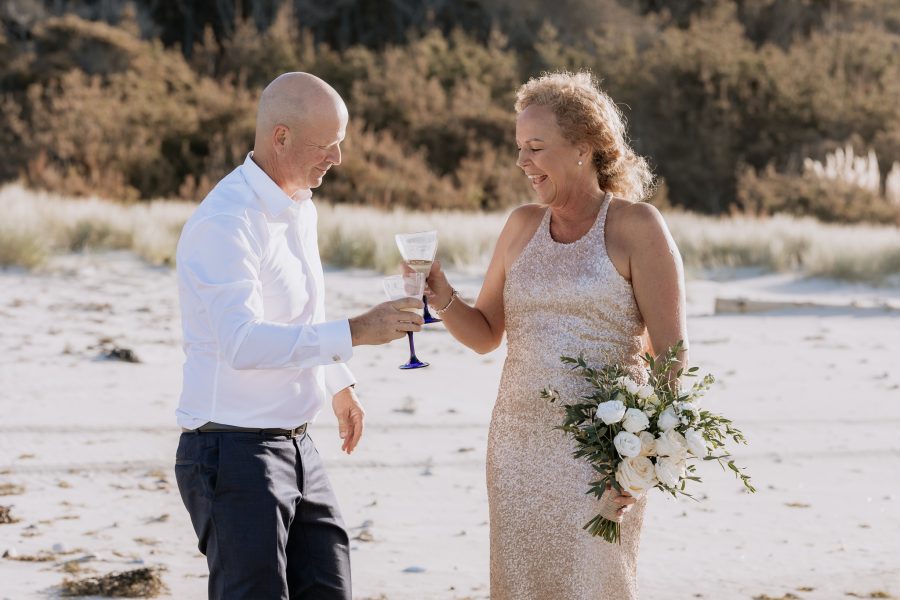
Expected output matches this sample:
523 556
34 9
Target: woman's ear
584 152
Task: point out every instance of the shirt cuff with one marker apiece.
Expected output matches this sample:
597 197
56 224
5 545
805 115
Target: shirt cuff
335 343
338 377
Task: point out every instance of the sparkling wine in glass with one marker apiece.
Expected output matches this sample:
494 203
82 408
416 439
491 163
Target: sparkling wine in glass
411 285
418 250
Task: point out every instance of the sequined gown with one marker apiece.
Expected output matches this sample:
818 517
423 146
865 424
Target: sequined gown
560 299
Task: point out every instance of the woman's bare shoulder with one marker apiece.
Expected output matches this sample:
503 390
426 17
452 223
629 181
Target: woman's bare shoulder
635 222
635 230
523 221
526 213
519 229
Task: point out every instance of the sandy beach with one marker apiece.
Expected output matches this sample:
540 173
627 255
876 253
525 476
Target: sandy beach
87 444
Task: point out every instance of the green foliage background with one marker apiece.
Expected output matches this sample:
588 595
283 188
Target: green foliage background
726 97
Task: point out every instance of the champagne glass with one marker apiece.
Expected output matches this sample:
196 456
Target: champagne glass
418 250
411 285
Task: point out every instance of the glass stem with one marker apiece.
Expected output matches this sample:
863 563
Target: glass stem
425 314
412 348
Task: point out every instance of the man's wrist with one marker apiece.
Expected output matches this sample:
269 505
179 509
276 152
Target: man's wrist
354 337
336 341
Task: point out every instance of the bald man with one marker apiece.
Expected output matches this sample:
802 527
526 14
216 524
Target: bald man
261 359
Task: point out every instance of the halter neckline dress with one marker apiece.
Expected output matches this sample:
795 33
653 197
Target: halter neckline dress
559 299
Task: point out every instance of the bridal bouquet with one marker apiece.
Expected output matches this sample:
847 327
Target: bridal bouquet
639 437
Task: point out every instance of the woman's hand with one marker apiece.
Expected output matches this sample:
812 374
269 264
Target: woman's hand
614 505
439 289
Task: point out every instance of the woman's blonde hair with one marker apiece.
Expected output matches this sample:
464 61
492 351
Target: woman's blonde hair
586 114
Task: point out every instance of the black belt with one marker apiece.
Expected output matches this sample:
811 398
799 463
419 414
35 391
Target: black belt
274 431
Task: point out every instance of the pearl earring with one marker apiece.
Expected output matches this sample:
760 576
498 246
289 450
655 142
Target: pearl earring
580 163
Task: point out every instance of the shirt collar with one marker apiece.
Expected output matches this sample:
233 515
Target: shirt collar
272 196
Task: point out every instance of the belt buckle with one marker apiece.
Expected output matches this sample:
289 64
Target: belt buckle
298 431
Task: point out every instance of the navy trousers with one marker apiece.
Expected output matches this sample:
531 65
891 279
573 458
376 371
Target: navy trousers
265 516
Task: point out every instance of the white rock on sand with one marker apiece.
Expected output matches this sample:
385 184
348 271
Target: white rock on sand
817 391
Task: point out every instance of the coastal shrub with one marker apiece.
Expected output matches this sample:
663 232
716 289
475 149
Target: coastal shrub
828 199
141 104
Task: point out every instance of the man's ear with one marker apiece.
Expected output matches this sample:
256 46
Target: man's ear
280 138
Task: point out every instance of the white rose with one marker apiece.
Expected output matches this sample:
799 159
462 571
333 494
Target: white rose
695 442
648 444
627 444
650 403
689 412
670 470
671 443
611 411
645 391
635 420
631 386
668 419
688 407
636 475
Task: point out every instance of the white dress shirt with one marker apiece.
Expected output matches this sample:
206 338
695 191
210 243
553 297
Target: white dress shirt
259 352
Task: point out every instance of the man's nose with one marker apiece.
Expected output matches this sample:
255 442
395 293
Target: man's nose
335 157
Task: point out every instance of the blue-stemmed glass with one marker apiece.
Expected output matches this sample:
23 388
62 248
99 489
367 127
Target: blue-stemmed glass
418 250
410 285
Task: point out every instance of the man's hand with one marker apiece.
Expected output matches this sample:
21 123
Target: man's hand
386 322
350 416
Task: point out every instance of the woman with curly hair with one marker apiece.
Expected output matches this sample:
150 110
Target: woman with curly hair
588 269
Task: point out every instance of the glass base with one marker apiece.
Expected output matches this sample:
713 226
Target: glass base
414 364
426 314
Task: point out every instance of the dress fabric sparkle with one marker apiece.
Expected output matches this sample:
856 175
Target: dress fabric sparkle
559 299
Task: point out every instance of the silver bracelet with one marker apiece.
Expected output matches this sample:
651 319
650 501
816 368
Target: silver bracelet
453 296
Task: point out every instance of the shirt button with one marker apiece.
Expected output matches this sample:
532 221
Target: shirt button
336 358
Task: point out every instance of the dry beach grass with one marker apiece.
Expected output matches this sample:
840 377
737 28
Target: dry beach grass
37 225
